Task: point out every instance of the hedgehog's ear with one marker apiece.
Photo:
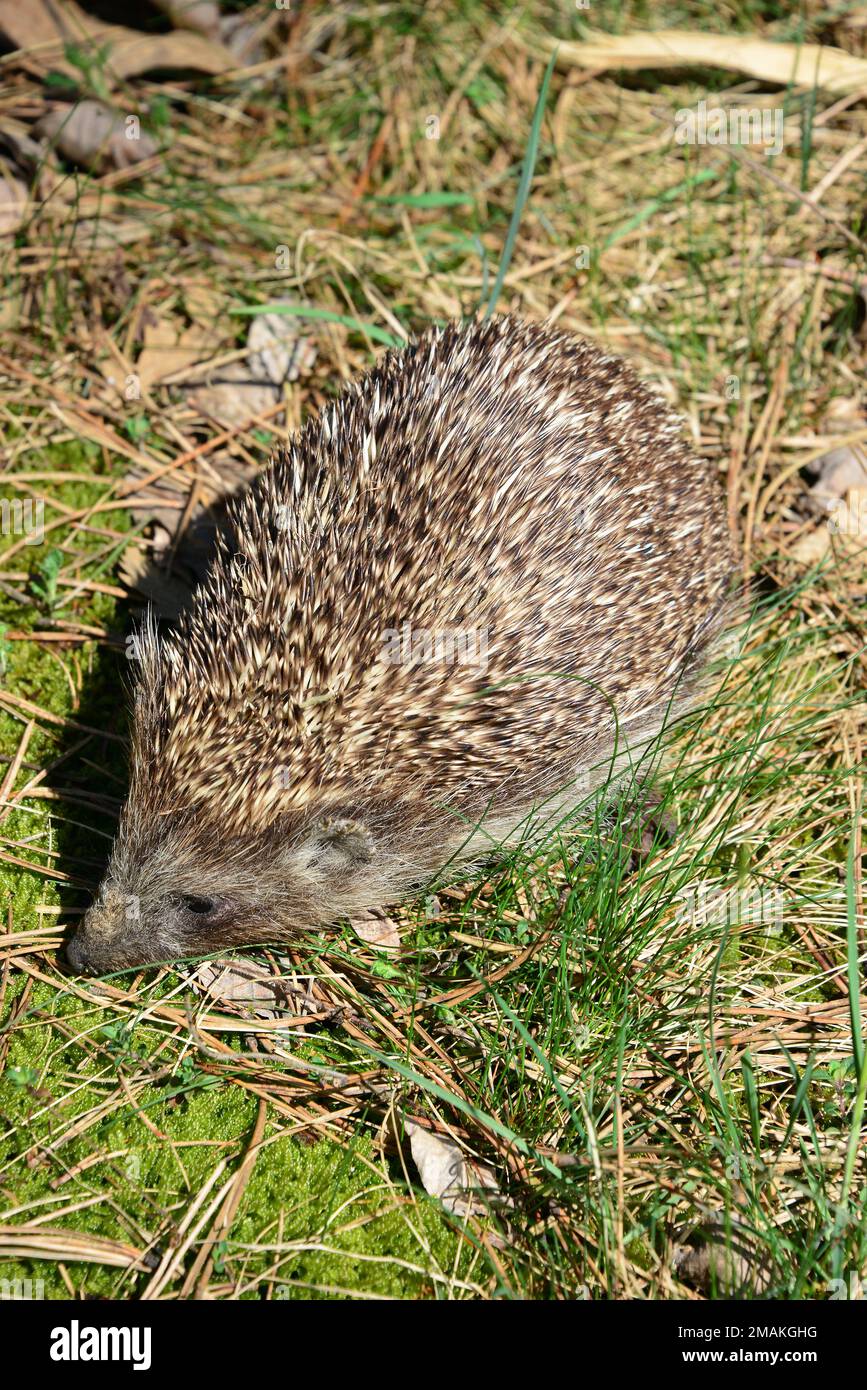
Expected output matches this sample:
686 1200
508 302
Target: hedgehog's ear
343 841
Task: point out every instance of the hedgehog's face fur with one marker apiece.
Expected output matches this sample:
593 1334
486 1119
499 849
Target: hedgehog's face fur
181 895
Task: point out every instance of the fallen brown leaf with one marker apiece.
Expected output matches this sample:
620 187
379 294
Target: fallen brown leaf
843 468
92 135
132 54
168 348
446 1172
376 929
201 16
242 982
13 204
726 1257
786 64
275 350
847 522
231 395
45 27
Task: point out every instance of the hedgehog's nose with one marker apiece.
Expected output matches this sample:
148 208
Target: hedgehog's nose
77 957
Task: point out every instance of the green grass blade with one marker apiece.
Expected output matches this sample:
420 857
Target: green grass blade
523 187
305 311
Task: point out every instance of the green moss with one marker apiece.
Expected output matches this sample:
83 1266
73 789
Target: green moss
332 1209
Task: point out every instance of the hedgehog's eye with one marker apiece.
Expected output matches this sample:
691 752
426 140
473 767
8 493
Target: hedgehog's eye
196 912
200 911
201 907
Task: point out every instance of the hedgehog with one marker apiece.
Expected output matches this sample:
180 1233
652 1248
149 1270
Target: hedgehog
469 592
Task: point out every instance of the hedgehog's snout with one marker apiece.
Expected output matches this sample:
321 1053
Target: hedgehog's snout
123 930
77 958
109 929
